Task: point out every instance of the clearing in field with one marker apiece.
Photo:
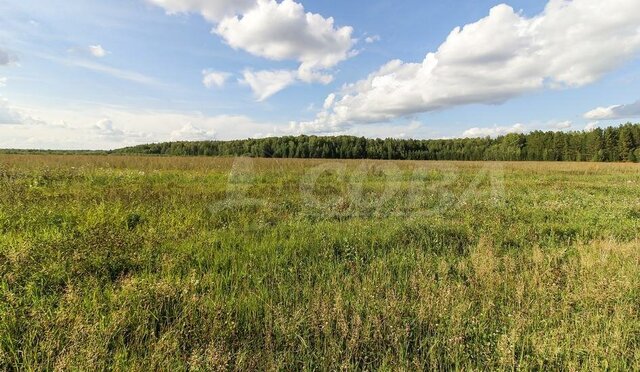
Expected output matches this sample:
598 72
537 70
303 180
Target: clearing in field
115 262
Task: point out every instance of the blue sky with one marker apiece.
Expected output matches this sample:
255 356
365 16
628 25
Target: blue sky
111 73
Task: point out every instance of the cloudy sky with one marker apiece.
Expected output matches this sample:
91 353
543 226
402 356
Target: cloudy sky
101 74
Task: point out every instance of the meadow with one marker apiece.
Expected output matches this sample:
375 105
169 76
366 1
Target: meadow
174 263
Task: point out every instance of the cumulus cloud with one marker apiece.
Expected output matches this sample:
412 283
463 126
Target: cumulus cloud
493 131
631 110
283 31
3 81
328 102
214 79
499 57
97 51
278 31
264 84
212 10
372 39
105 128
189 132
591 126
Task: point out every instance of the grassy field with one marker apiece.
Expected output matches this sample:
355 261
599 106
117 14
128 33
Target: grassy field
138 263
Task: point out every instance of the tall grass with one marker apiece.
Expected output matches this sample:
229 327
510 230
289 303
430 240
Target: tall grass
142 263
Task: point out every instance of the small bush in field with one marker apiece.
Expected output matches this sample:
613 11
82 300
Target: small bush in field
133 220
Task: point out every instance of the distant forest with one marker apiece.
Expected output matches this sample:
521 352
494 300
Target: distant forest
613 144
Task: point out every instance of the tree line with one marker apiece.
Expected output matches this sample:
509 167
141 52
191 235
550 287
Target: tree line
612 144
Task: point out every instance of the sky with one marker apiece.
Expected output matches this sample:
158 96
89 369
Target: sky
104 74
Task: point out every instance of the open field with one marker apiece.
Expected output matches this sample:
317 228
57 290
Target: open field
116 262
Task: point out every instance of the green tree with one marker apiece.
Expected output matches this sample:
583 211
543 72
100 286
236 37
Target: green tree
625 145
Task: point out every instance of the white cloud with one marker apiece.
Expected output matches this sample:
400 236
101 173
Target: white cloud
372 39
499 57
264 84
11 115
214 79
516 128
211 10
494 131
279 31
102 127
3 81
189 132
97 51
591 126
601 113
411 129
283 31
614 112
105 128
328 102
561 125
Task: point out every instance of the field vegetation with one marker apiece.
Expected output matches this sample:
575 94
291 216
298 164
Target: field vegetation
176 263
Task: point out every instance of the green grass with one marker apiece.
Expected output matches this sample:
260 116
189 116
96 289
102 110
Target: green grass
138 263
